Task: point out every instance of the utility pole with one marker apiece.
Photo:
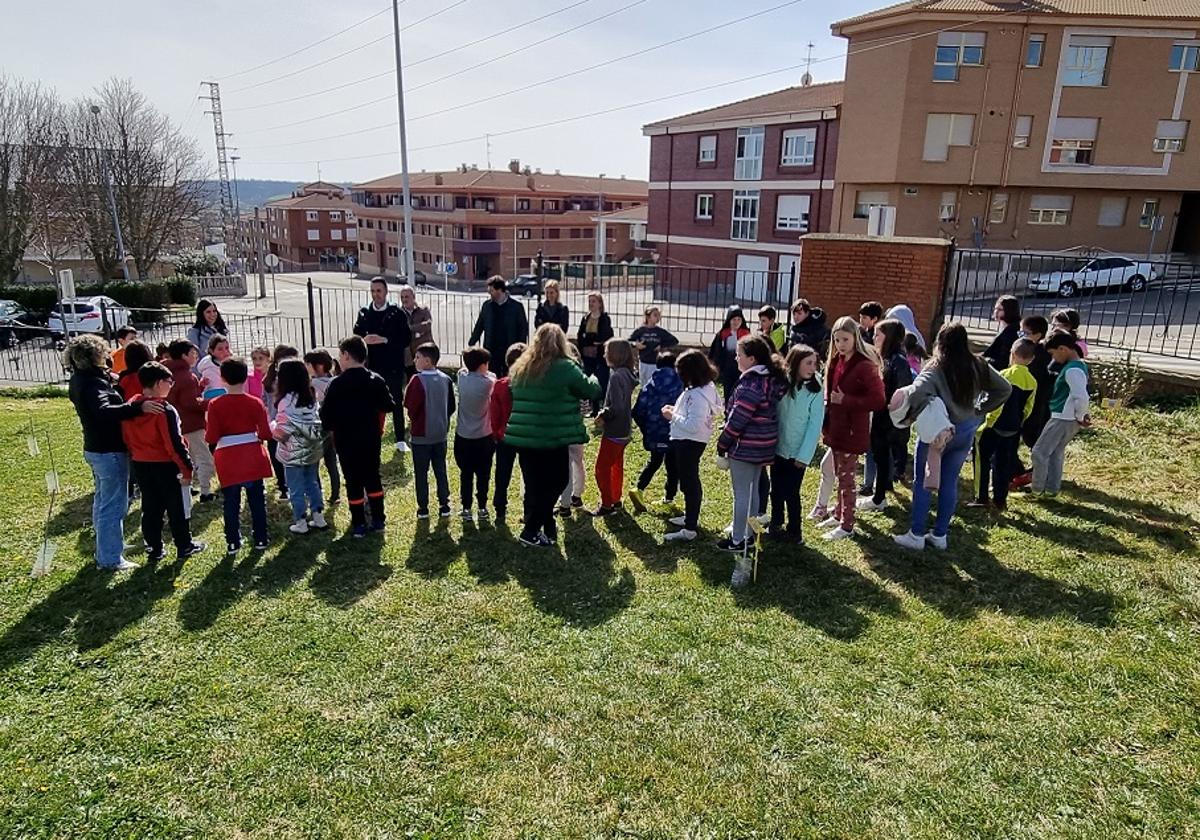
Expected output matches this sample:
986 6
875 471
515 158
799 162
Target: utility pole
112 198
408 227
600 231
237 213
227 217
258 257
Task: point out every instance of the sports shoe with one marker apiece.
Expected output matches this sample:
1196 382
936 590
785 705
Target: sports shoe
910 541
1019 481
531 542
729 544
818 513
422 514
300 526
318 521
233 548
764 519
682 535
153 555
604 510
866 491
261 545
401 446
359 532
937 542
377 527
637 502
831 522
282 495
868 503
576 502
194 548
678 521
741 573
444 512
123 566
467 515
545 540
483 516
839 533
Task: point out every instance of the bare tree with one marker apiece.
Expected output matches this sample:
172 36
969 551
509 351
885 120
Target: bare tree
54 226
87 201
30 142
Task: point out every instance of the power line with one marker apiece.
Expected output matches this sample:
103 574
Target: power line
550 80
352 50
508 54
384 10
890 43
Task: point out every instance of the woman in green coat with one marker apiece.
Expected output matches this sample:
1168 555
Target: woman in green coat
547 386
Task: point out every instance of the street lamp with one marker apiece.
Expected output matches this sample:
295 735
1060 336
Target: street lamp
112 200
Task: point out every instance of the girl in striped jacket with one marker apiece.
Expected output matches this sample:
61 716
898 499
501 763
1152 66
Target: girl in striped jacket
751 431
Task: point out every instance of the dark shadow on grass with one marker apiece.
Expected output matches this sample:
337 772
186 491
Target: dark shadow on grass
72 515
1174 530
353 568
485 550
433 548
628 531
95 603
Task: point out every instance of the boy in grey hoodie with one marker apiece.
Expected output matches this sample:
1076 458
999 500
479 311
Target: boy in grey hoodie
473 443
616 419
429 401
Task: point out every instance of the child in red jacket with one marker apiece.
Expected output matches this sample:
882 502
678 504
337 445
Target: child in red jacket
499 410
853 390
187 396
236 430
161 464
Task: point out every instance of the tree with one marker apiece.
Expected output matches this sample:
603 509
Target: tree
30 143
197 264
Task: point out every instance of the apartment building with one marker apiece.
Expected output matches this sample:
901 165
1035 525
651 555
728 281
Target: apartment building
736 186
315 225
1025 125
488 222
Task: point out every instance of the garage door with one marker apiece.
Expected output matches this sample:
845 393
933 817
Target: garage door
753 278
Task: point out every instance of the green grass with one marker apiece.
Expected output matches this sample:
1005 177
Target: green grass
1039 680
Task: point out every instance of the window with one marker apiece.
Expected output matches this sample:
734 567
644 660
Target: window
704 206
1035 51
335 215
1112 211
948 208
748 166
864 200
524 233
553 233
314 235
1022 132
708 149
352 233
349 217
1074 141
311 215
336 233
1185 58
945 130
1087 61
312 252
1149 212
1170 135
745 215
522 204
550 204
486 204
799 147
1050 209
998 212
576 233
791 212
954 50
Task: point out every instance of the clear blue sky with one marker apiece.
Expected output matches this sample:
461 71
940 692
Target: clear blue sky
168 47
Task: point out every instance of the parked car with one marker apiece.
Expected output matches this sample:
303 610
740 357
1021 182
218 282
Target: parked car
15 323
83 316
1099 273
419 279
526 285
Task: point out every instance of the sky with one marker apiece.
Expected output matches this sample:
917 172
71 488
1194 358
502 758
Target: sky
168 48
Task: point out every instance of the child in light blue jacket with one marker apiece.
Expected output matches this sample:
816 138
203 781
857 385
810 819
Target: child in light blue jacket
801 414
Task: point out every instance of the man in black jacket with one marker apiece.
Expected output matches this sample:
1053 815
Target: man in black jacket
504 323
384 327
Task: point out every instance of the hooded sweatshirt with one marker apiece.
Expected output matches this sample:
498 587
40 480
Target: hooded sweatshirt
904 315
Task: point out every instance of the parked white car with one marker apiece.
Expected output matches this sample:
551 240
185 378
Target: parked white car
1098 273
83 316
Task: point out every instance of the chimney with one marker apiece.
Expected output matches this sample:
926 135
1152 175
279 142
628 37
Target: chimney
529 181
474 167
537 171
557 171
527 170
438 179
514 166
462 167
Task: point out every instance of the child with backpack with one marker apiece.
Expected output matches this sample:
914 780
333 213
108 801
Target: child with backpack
301 443
660 390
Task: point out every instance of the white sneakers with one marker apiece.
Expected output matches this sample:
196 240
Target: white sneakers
910 541
318 520
839 533
818 513
300 526
401 446
678 521
682 535
866 503
939 543
831 522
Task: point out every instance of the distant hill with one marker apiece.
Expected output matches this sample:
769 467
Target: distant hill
252 192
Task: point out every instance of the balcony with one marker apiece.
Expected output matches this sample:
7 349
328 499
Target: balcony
475 247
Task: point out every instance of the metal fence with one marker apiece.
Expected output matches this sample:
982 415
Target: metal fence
1150 306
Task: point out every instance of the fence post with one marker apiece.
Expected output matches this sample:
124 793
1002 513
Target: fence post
104 330
949 286
312 317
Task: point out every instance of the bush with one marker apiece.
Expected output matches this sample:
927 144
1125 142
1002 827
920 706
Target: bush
197 264
181 290
37 299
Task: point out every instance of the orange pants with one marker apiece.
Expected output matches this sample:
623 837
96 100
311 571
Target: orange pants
610 471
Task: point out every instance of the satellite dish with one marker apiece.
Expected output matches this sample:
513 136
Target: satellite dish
806 80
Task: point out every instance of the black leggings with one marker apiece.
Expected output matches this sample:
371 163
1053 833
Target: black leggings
786 479
888 446
276 467
687 454
474 459
546 473
506 456
658 458
331 466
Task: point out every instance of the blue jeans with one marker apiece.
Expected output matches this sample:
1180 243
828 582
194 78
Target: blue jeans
110 503
304 483
257 500
955 454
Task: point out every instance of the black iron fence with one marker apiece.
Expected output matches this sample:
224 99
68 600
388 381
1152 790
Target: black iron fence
1150 306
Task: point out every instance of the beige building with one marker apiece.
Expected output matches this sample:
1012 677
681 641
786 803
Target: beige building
1035 125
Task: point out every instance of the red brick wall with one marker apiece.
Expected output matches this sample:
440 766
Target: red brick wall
838 272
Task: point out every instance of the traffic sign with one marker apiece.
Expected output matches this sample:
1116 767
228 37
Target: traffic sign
272 260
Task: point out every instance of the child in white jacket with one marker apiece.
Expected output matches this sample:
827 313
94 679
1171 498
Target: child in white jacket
691 421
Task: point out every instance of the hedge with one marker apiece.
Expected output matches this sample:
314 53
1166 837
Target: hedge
148 295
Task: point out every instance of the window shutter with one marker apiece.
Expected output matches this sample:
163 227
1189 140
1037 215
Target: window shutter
937 137
1172 129
1050 202
1076 128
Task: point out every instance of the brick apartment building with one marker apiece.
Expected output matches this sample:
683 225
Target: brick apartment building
315 224
493 222
1039 125
736 186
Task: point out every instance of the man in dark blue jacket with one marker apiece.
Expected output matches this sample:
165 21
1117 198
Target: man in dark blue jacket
384 327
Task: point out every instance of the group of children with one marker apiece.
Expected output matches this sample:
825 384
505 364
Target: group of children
786 389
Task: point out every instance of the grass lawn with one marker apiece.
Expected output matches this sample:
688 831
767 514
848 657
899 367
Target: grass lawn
1041 679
